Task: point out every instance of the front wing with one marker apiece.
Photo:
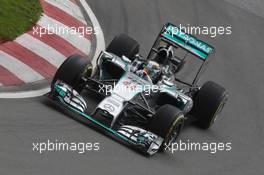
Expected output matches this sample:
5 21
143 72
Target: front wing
138 138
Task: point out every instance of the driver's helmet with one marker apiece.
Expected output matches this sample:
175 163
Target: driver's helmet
153 70
164 54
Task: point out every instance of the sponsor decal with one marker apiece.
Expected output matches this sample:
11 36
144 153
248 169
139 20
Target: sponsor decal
187 41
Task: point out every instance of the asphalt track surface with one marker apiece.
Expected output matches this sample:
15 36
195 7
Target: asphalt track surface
238 65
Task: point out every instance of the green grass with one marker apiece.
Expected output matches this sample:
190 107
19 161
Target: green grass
17 17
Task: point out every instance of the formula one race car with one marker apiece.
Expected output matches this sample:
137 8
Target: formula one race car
139 101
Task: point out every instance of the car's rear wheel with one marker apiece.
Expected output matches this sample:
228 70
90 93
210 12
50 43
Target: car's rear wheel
208 104
72 69
167 123
123 45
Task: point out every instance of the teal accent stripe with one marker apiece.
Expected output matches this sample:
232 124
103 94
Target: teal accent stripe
98 123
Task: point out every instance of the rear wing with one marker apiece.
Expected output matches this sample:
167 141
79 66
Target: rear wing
175 35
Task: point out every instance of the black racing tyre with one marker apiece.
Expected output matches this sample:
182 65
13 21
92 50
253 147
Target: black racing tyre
123 45
167 123
72 69
208 103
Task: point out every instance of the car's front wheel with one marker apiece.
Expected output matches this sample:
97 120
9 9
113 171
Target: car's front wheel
167 123
123 45
72 69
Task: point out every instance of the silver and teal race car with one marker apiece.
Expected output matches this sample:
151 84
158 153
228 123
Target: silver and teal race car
142 102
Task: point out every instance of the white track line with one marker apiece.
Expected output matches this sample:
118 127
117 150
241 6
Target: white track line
38 47
100 46
68 7
63 31
21 70
26 94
